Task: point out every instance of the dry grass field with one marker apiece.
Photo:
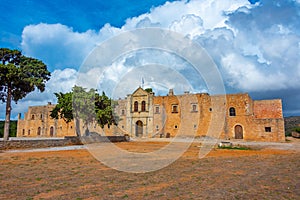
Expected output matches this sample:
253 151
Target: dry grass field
223 174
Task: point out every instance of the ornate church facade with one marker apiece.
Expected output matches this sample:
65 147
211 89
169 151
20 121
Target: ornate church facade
144 115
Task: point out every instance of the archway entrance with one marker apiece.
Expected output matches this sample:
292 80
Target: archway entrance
238 130
139 129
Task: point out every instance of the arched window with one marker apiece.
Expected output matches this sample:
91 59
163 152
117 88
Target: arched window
32 117
28 132
232 111
51 131
136 106
143 105
39 131
174 108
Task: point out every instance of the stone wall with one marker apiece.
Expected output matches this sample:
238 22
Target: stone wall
231 116
38 143
38 123
67 141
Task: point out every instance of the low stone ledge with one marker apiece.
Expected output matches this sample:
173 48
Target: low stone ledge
225 144
295 134
38 143
66 141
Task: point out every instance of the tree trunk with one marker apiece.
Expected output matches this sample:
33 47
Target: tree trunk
7 114
86 131
77 126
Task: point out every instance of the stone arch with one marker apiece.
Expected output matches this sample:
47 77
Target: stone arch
238 132
139 128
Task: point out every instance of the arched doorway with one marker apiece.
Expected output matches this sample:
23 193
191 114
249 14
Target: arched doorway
39 131
51 131
139 129
238 131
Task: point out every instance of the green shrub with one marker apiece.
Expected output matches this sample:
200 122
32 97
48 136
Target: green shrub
297 129
235 148
12 129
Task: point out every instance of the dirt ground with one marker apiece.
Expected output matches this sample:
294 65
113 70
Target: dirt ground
223 174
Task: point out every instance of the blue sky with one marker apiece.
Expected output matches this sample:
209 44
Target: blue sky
255 44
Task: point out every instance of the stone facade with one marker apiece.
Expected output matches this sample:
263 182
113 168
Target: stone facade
38 123
142 114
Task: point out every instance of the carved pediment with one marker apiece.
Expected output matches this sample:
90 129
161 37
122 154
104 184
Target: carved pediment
140 92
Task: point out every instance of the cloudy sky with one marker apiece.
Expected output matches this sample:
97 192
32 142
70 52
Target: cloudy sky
255 44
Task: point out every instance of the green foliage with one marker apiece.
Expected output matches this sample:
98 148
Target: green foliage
235 148
63 108
149 90
12 129
297 129
87 106
104 110
19 75
84 104
290 123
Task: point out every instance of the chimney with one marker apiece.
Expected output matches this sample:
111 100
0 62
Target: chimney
171 92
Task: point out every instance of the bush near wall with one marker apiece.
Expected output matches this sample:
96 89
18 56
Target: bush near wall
290 124
297 129
12 129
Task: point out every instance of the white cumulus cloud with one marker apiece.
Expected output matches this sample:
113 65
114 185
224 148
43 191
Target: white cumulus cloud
256 47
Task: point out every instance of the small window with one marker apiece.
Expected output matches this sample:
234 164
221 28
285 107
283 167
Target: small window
174 108
210 109
268 129
194 107
23 132
136 106
143 106
71 127
175 126
231 111
157 128
41 117
28 132
123 112
32 117
195 126
156 109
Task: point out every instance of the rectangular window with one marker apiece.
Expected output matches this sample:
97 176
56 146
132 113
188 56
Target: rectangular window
194 108
156 109
268 129
123 112
174 108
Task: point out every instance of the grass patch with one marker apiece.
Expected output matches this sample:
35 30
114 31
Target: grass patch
235 148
